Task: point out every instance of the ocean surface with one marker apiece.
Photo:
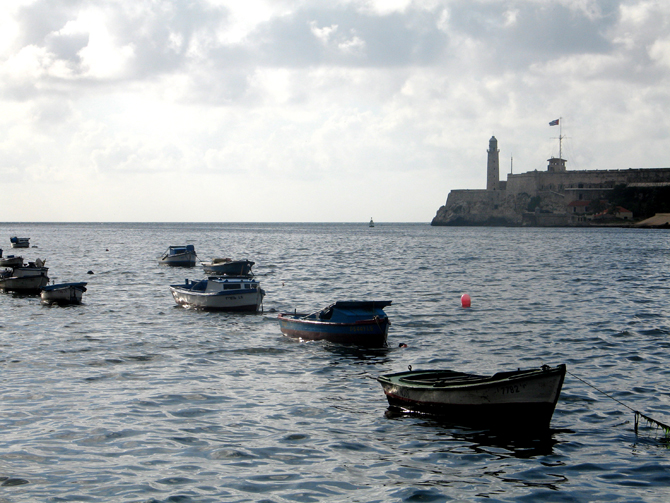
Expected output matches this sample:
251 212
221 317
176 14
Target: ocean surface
131 398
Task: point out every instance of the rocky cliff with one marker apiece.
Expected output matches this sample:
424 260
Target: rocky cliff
482 207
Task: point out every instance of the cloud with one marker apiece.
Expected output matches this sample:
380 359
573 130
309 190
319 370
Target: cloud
320 101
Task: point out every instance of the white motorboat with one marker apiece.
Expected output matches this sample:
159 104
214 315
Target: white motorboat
221 294
63 293
179 256
19 242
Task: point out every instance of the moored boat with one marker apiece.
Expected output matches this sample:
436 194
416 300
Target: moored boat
220 294
514 400
63 293
229 267
19 242
351 322
179 256
36 268
24 282
10 260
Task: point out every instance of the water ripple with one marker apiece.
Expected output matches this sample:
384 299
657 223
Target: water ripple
129 397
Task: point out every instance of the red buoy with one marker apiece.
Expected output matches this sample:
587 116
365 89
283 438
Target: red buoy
465 300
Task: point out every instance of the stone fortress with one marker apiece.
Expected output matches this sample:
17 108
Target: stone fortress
555 197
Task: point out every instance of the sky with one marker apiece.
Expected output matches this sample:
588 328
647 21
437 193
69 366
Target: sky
313 111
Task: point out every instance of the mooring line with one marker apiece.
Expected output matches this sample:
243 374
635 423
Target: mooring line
637 413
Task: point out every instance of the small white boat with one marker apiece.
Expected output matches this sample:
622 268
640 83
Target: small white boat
10 260
63 293
221 294
19 242
179 256
371 224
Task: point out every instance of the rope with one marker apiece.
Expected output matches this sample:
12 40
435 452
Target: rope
637 413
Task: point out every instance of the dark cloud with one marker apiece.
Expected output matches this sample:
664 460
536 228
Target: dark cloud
163 39
160 33
411 38
538 32
67 46
39 19
185 38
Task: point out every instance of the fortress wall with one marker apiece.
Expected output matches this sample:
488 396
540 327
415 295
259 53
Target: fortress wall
526 182
457 197
534 181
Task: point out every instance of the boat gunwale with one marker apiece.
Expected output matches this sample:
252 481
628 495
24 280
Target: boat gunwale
221 293
397 379
62 286
322 323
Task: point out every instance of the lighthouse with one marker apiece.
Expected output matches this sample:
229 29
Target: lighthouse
493 166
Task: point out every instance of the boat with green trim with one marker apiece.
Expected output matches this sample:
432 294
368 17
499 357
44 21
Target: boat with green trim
518 399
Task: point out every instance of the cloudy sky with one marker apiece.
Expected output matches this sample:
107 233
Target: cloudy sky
314 111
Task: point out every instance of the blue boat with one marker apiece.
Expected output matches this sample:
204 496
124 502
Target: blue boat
179 256
19 242
350 322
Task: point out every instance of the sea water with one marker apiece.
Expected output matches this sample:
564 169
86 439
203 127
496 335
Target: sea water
129 397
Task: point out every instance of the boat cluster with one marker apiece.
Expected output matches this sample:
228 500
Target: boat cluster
231 286
521 399
30 278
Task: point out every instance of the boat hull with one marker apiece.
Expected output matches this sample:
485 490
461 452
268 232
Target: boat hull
179 260
519 400
371 333
63 294
246 301
24 284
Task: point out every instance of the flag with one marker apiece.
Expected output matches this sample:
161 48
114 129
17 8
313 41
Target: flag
554 123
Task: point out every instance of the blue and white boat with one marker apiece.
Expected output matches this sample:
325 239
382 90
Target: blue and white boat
351 322
220 294
19 242
63 293
179 256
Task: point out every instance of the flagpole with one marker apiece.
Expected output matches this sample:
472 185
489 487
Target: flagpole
560 137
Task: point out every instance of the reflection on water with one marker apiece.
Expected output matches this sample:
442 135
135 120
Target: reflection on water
507 443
